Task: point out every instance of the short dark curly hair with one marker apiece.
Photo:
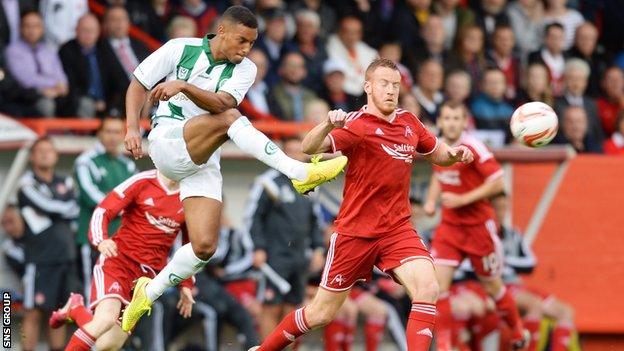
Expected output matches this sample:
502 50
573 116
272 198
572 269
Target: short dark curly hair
240 14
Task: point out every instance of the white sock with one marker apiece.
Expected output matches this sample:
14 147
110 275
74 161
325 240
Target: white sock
253 142
183 264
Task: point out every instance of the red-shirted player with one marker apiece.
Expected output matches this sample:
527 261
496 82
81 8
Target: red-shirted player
152 219
468 226
373 227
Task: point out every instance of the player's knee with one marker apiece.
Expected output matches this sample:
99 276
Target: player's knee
319 316
205 248
228 118
566 314
428 291
104 322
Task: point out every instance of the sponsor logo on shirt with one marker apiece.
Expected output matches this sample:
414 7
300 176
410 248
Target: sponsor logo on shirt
165 224
400 152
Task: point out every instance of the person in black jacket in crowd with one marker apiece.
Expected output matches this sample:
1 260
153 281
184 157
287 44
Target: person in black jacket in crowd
47 202
88 75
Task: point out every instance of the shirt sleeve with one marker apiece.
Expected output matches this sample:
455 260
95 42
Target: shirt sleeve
485 163
117 200
159 64
90 193
242 78
344 139
427 142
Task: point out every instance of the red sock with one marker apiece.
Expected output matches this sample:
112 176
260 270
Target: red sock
291 327
444 323
81 315
349 331
80 341
420 326
373 332
334 335
533 326
506 307
561 337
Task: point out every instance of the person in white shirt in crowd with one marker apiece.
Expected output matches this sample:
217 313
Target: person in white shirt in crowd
60 18
259 91
428 89
552 56
570 19
347 46
525 17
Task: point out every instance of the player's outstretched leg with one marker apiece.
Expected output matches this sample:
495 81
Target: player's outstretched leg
419 279
206 133
506 305
202 217
318 313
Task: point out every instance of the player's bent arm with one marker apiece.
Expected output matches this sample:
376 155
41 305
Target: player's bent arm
485 191
135 99
109 209
432 195
218 102
317 140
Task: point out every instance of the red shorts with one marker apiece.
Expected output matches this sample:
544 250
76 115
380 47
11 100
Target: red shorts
351 259
244 291
480 243
114 277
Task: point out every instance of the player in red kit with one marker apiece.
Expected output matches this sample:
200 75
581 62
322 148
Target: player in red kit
373 227
152 219
468 227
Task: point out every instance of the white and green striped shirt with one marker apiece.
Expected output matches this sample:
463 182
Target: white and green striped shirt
190 59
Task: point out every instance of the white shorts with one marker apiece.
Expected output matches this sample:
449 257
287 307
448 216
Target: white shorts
167 149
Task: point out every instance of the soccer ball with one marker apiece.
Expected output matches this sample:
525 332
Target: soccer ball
534 124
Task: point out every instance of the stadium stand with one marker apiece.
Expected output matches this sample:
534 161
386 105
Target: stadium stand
311 54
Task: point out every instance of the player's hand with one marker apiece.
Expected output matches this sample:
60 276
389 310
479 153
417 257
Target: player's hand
452 200
167 90
259 258
429 208
317 261
108 248
133 143
185 304
460 154
337 118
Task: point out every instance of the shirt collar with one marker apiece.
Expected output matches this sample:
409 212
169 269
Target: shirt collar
208 51
117 41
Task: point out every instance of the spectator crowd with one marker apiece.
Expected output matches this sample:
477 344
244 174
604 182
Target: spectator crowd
58 59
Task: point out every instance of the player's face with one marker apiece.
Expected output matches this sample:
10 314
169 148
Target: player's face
237 40
32 28
452 122
112 135
383 89
43 155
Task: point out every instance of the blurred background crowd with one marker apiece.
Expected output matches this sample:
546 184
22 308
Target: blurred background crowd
59 59
75 58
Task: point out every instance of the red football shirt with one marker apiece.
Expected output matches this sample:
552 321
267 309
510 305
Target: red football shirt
461 178
152 219
377 184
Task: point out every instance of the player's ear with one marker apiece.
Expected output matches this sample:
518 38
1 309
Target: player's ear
367 87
